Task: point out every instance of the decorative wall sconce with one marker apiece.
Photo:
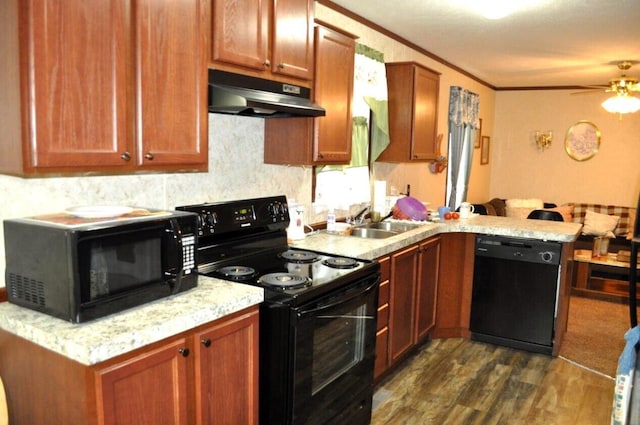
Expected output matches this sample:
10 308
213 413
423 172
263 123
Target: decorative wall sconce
543 139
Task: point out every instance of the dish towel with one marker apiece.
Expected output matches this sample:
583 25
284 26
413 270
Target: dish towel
623 392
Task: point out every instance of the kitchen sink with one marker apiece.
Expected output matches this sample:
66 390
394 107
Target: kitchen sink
364 232
382 229
391 226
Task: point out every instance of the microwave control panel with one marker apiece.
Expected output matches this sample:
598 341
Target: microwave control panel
188 253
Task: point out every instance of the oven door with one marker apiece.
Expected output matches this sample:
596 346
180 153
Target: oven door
335 354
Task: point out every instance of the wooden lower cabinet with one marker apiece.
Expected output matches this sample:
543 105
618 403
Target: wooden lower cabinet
382 334
411 310
404 274
426 290
203 376
148 389
227 372
455 282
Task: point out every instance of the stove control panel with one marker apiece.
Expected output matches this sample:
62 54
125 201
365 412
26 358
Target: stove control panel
271 213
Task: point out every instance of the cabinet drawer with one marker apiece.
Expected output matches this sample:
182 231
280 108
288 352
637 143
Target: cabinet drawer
383 316
385 269
383 293
381 352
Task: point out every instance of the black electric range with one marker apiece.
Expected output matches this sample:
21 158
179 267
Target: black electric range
246 241
319 318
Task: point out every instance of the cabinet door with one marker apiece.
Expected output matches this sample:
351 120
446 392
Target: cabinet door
322 140
292 49
425 114
76 97
241 32
382 334
403 282
413 113
171 84
427 284
227 372
147 389
334 90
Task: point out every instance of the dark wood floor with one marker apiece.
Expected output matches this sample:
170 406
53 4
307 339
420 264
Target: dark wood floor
457 381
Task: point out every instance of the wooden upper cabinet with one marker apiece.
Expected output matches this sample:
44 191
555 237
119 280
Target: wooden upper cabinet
98 91
264 38
335 56
413 113
292 49
327 139
171 84
74 73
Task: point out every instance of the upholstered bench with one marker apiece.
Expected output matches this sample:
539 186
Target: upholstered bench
604 220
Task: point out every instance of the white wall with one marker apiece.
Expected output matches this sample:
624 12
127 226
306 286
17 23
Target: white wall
520 170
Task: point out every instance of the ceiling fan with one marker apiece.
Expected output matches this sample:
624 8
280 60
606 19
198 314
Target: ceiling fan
624 87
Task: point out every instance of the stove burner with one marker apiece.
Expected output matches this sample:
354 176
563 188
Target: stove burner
285 280
299 256
340 263
237 272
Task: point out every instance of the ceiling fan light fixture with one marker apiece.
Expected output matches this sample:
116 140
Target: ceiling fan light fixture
622 104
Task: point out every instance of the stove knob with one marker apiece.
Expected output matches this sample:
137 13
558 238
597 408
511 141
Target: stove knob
546 256
211 219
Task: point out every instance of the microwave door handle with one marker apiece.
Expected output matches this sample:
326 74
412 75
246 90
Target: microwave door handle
174 253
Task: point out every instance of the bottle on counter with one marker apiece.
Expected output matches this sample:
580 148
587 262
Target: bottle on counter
331 221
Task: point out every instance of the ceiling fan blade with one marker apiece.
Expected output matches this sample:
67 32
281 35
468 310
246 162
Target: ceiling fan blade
590 91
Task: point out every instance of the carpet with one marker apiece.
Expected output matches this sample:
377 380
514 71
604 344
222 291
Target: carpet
595 334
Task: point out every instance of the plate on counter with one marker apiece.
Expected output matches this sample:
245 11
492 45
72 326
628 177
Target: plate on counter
98 211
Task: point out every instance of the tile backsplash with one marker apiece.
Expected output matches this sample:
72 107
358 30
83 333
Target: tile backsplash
236 171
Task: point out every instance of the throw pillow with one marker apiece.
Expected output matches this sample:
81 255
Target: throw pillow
533 203
599 224
519 212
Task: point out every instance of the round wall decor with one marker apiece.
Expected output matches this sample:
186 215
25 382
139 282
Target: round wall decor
582 141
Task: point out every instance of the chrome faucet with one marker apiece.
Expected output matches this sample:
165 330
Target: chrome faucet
359 217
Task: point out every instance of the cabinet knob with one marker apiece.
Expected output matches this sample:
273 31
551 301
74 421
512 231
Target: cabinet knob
126 156
184 352
266 63
320 155
149 156
206 342
281 66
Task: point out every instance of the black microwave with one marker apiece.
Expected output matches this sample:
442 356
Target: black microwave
79 270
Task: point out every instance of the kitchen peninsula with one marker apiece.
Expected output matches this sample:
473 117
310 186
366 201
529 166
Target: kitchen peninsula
70 373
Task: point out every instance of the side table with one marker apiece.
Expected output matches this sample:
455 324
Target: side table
604 277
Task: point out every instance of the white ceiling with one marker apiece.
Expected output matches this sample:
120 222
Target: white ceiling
554 43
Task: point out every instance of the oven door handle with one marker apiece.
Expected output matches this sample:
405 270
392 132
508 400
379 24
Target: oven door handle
339 302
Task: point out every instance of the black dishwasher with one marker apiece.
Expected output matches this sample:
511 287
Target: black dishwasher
515 292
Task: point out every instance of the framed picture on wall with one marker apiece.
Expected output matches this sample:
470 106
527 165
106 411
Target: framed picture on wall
476 143
484 150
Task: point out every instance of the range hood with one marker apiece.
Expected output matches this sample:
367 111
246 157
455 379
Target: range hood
249 96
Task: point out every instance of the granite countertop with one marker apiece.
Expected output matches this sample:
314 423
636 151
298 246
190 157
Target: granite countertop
101 339
370 249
